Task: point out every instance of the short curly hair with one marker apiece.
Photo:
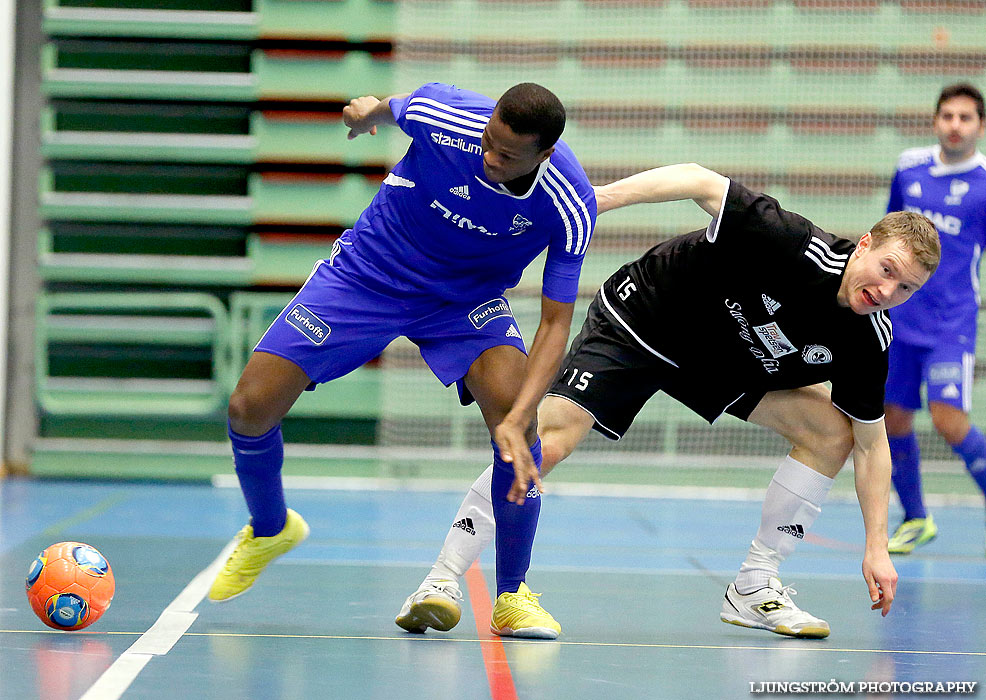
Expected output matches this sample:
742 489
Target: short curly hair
529 108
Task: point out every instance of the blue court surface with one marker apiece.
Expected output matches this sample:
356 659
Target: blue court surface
636 584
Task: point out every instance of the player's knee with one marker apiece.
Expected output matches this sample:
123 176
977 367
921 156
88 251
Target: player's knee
551 454
953 428
899 421
248 415
833 440
827 440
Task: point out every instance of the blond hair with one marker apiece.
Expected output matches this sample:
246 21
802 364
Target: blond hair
915 231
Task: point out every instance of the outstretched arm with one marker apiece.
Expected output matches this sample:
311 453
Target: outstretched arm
546 354
363 114
666 184
871 457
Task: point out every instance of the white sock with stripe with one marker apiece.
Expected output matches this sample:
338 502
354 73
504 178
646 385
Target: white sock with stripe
472 530
792 503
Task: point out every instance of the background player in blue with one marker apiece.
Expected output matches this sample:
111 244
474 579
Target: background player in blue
935 334
775 306
483 189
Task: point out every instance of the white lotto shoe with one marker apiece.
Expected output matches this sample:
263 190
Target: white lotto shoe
770 608
435 604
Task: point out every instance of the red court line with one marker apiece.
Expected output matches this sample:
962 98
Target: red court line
494 656
832 544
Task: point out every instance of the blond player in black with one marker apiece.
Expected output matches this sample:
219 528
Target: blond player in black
749 317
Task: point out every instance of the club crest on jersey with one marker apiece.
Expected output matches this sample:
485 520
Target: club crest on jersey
484 313
957 189
775 340
816 355
519 225
311 326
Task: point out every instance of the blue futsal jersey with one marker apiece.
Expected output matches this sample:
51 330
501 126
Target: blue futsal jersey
953 196
438 227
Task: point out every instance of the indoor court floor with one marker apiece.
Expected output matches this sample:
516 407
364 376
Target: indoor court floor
636 583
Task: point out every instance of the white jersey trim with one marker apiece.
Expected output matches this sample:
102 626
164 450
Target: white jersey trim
728 406
581 214
561 213
616 435
823 256
444 125
447 108
913 157
712 231
883 327
940 168
968 368
553 187
974 272
602 294
858 420
429 111
500 189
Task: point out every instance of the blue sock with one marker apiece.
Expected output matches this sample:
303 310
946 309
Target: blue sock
258 463
972 450
515 525
906 457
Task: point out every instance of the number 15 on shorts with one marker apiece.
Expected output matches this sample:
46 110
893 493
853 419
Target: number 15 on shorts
583 379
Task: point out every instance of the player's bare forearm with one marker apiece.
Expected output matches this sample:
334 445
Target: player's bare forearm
665 184
871 458
364 114
542 364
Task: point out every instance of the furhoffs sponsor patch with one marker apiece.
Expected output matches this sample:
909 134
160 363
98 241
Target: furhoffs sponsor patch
314 328
484 313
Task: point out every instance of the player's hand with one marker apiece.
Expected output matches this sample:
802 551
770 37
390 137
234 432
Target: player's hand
355 115
881 578
512 443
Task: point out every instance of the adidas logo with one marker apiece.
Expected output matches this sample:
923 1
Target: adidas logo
512 332
465 524
771 305
914 190
534 493
793 530
950 392
461 191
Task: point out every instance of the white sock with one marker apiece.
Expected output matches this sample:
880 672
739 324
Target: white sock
472 529
792 503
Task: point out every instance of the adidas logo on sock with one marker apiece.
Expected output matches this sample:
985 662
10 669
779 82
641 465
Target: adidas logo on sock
793 530
465 524
461 191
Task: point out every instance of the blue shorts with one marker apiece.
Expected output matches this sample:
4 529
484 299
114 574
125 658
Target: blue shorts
946 371
336 323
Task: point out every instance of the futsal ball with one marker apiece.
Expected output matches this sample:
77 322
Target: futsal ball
70 585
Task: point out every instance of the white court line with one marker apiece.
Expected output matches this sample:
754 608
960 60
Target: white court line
562 488
158 640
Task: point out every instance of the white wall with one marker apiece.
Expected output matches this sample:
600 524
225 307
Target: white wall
6 121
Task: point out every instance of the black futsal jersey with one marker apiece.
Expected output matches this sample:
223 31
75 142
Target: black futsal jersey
750 306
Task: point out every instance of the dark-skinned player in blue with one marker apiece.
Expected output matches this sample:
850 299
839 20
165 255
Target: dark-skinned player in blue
484 188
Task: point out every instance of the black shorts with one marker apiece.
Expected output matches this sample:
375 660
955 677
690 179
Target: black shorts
611 375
